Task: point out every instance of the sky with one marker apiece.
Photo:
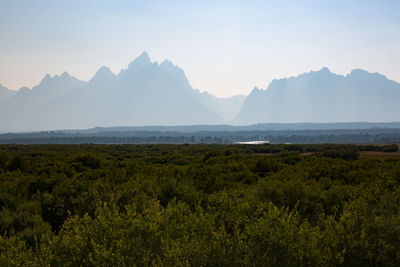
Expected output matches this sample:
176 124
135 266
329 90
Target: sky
224 47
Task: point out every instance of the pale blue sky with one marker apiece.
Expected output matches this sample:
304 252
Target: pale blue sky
224 47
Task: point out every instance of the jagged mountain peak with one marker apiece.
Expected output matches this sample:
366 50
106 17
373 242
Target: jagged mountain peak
167 64
256 91
324 70
46 78
63 82
65 75
103 74
103 69
144 55
142 60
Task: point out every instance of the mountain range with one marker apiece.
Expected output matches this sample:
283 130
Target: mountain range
149 93
145 93
322 96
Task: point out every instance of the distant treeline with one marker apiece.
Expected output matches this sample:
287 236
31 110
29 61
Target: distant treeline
344 136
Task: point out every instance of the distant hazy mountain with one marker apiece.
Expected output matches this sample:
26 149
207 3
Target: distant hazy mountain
5 93
31 109
145 93
322 96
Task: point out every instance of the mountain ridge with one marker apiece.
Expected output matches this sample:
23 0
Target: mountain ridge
144 93
323 96
149 93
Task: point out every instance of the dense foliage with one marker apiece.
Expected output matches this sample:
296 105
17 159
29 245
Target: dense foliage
210 205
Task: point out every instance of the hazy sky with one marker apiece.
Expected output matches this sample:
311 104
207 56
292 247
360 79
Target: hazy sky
224 47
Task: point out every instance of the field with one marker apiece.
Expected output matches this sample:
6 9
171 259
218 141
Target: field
201 205
380 154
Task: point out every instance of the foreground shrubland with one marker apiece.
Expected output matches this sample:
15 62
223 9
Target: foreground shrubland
201 205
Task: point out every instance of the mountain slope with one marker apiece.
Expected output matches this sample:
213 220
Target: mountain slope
28 108
5 93
322 96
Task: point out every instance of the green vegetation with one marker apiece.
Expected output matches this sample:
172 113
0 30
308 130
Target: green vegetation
201 205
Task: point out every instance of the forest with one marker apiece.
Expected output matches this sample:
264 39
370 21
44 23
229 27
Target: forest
200 205
345 133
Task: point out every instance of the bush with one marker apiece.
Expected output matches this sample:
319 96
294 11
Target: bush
390 148
4 159
17 163
350 153
89 161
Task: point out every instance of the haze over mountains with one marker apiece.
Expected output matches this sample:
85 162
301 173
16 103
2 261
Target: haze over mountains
148 93
322 96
